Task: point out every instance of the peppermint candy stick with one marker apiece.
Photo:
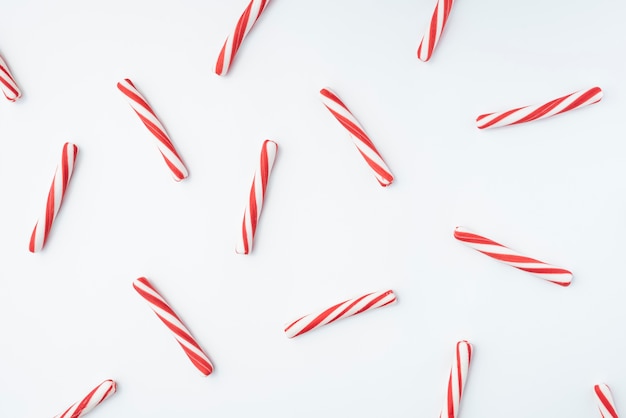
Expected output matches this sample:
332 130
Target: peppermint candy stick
233 42
529 113
456 381
152 122
7 83
59 185
173 322
501 253
435 29
605 401
362 142
89 402
341 310
257 195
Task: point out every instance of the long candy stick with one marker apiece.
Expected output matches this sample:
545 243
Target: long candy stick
61 180
89 402
545 110
435 29
257 195
233 42
363 143
341 310
506 255
173 322
149 118
456 381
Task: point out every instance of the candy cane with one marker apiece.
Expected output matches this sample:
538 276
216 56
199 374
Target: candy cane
59 185
529 113
501 253
152 122
362 142
456 381
89 402
173 322
605 401
435 29
233 42
341 310
252 212
7 83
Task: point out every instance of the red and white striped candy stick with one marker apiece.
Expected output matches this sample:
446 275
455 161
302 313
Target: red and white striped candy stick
433 33
89 402
545 110
341 310
257 194
7 83
456 381
173 322
605 401
152 122
59 185
359 137
233 42
506 255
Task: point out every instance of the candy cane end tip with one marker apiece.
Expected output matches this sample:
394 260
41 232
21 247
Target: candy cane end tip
565 283
458 231
241 251
268 143
139 281
206 371
421 56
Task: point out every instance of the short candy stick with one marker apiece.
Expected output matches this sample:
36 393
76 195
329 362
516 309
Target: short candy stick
341 310
605 401
456 381
252 212
59 185
506 255
173 322
529 113
89 402
362 142
435 29
149 118
233 42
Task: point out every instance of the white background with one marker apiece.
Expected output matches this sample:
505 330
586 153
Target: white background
552 189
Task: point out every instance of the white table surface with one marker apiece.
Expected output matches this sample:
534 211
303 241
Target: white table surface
552 189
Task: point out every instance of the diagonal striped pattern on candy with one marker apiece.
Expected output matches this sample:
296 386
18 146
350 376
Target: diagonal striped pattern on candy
152 122
545 110
605 401
435 29
233 42
7 83
341 310
506 255
363 143
456 381
59 185
173 322
89 402
254 205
